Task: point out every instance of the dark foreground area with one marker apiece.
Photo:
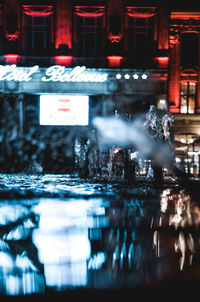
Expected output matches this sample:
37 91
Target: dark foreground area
64 237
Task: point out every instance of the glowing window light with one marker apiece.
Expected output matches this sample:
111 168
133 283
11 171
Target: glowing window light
60 110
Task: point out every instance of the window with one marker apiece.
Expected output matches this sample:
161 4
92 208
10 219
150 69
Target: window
189 49
89 24
140 35
188 97
38 35
89 36
37 22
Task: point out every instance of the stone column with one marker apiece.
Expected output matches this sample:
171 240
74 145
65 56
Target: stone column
63 39
174 73
163 25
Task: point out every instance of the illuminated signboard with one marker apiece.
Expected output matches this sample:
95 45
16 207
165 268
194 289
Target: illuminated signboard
55 73
60 110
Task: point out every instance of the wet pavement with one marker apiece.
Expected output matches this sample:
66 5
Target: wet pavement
62 235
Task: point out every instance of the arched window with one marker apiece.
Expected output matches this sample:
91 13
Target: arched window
188 97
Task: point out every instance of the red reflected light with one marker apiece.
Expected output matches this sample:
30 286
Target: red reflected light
63 60
162 61
114 61
11 58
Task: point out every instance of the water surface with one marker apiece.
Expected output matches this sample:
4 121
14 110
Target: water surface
60 234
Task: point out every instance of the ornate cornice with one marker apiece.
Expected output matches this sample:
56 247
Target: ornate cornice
140 12
89 11
38 10
114 38
185 15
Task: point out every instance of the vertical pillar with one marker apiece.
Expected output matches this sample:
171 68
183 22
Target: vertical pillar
114 7
63 37
198 93
174 75
163 26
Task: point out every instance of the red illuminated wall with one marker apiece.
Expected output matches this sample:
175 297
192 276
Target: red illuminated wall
174 78
163 25
63 24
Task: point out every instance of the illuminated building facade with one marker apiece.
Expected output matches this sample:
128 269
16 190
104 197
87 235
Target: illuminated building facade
183 90
122 55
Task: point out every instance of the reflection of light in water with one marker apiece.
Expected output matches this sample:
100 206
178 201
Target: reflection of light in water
6 261
96 261
156 243
62 239
19 275
21 231
10 213
180 246
163 204
64 257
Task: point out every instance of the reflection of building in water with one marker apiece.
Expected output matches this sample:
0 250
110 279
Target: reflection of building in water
21 272
63 243
182 216
100 243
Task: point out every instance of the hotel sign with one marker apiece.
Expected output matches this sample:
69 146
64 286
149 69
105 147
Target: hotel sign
55 73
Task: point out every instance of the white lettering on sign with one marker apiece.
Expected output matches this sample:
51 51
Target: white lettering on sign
55 73
13 73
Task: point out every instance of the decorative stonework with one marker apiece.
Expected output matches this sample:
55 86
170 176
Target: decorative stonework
12 36
114 38
140 12
38 10
89 11
173 36
183 22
